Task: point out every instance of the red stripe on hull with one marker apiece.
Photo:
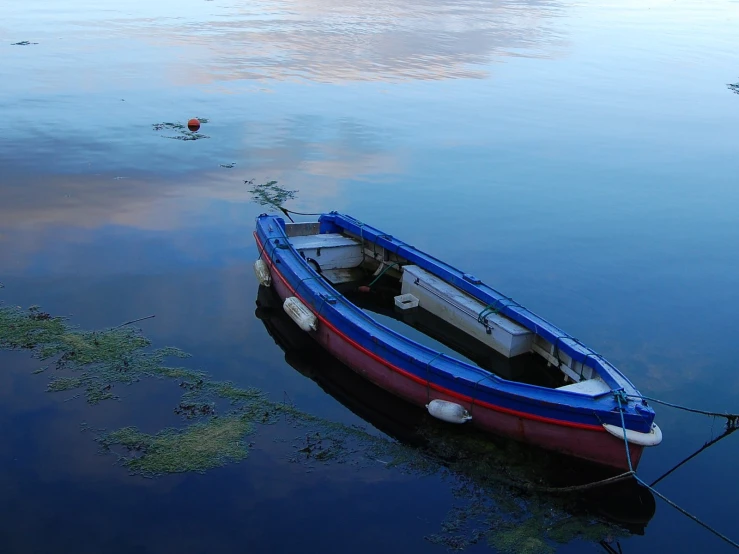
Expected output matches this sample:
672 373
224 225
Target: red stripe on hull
588 442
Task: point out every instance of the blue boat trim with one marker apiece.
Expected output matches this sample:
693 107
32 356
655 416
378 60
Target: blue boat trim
441 372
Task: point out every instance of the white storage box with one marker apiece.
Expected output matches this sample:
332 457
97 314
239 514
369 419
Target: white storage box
406 301
462 310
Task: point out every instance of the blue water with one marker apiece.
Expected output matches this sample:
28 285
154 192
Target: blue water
580 158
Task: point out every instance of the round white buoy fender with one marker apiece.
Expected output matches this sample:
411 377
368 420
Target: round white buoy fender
300 314
262 272
448 411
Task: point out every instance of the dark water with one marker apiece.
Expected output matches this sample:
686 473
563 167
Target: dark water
582 159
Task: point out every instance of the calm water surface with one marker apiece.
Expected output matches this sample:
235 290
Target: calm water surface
581 158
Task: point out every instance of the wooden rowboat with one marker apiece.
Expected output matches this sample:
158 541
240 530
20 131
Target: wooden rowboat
482 359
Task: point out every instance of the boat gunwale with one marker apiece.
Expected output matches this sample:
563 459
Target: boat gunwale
485 293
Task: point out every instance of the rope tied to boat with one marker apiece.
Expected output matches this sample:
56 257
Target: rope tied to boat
492 309
732 420
288 212
577 488
474 393
384 270
621 398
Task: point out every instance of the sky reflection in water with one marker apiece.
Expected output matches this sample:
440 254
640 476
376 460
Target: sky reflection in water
579 158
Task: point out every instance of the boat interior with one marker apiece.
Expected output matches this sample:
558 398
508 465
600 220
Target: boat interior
411 300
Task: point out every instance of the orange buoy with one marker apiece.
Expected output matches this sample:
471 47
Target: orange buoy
193 124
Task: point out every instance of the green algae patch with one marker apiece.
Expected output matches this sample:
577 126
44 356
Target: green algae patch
92 361
116 349
177 372
270 194
199 447
229 391
520 537
544 528
28 329
590 529
60 384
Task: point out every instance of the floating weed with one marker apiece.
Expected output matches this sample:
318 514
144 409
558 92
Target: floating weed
227 390
181 132
542 524
199 447
169 126
23 43
60 384
189 136
270 193
97 360
191 410
80 349
590 529
520 537
177 373
96 393
734 87
27 329
320 448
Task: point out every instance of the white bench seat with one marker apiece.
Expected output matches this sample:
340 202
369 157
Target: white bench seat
329 250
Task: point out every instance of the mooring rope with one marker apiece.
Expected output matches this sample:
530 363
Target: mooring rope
732 419
288 212
688 514
620 395
726 433
575 488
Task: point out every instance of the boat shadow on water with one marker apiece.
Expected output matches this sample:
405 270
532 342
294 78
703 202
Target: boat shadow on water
501 482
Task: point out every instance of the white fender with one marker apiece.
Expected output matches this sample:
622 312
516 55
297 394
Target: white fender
300 314
653 438
448 411
262 272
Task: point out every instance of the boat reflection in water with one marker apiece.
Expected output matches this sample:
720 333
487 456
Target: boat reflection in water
462 451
